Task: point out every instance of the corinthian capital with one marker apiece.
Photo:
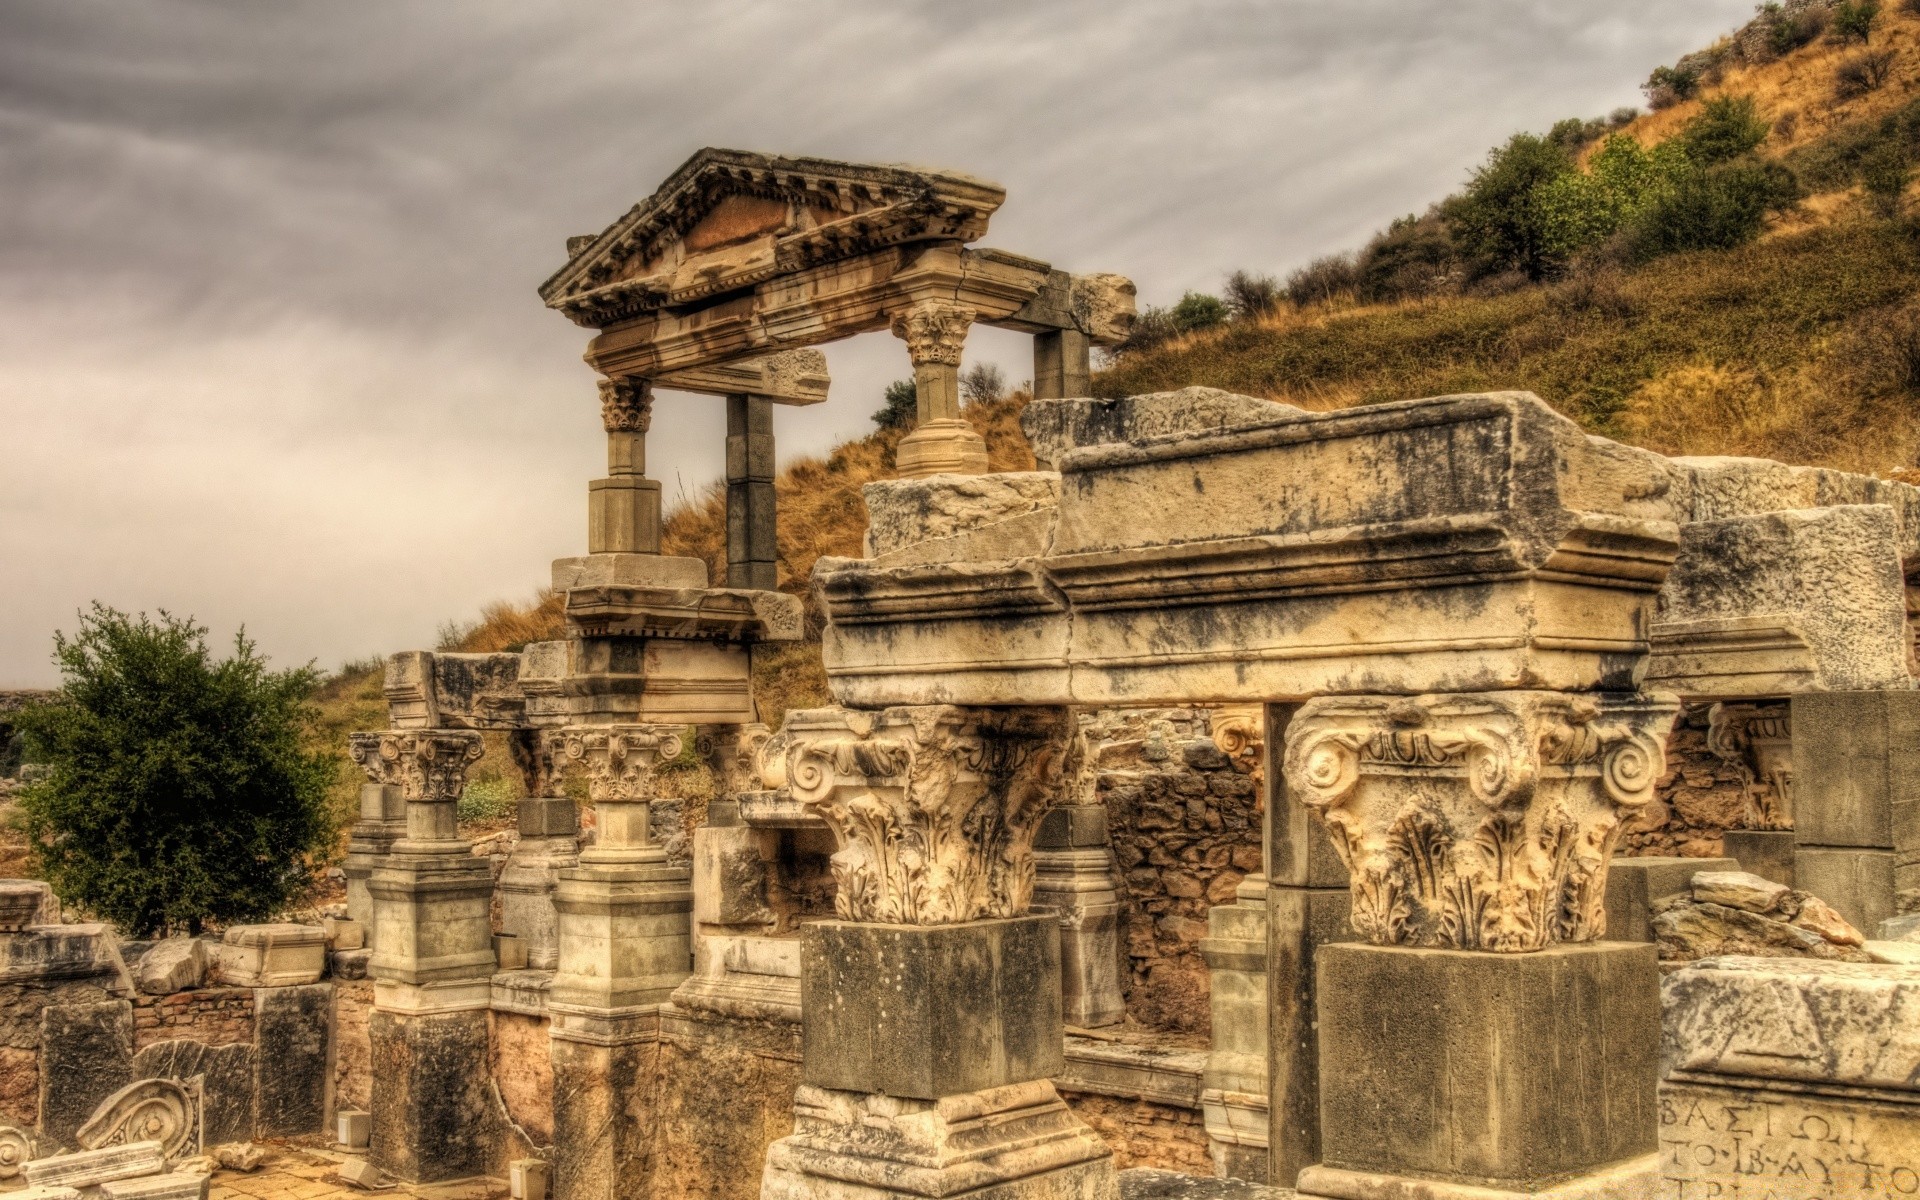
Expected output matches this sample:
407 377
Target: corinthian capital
1480 821
934 808
626 405
732 753
428 765
934 331
621 760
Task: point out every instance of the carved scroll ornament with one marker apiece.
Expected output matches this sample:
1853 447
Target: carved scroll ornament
1757 739
1480 822
622 761
428 765
934 808
148 1110
1241 735
16 1148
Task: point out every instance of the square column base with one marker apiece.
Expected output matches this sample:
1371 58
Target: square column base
1509 1073
431 1120
1857 882
1638 1179
941 447
1011 1143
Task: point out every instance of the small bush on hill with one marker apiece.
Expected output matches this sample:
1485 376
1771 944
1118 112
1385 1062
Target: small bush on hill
982 383
1153 326
1668 86
1910 7
1863 73
1788 31
179 789
1835 161
1885 175
900 407
1716 209
1853 20
1250 297
1197 311
1411 258
1727 128
1325 280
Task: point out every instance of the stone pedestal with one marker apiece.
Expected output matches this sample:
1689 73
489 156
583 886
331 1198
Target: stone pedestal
383 821
603 1072
1768 853
431 1117
1856 782
1517 1073
1633 884
1073 876
623 510
1789 1079
549 843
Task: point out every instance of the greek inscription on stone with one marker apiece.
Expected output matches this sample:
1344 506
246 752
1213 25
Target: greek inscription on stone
1724 1143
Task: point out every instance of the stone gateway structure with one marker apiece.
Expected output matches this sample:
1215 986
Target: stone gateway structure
1241 791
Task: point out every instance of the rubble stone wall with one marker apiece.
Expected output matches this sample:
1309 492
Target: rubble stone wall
522 1062
1185 829
1142 1133
215 1016
1699 798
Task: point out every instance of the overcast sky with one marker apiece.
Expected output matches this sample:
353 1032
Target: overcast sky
269 345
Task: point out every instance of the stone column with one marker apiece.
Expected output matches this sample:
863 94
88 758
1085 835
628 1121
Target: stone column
431 966
1757 738
1483 1043
625 944
1062 365
753 550
1233 1097
1073 875
623 510
383 821
1856 781
549 843
932 1004
942 442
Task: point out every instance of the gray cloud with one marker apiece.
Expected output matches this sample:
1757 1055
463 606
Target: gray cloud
269 348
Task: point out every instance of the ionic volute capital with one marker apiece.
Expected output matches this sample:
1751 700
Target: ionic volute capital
427 765
1482 821
935 331
1241 735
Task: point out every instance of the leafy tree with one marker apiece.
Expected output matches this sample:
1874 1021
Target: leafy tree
1500 221
1668 86
902 405
1250 297
1853 20
982 383
1324 280
1197 311
1726 128
179 789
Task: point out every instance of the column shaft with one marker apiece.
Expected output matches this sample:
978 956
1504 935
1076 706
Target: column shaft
1062 365
753 551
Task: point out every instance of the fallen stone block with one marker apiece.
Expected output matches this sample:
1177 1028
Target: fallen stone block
1898 954
273 955
353 1128
173 965
358 1172
1738 889
45 1193
344 934
239 1156
89 1167
175 1185
527 1179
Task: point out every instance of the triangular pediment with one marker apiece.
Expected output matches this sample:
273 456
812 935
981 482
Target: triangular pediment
729 219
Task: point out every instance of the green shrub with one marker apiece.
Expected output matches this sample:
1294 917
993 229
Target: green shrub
1835 160
1853 20
1716 209
1250 297
1726 128
178 790
1865 72
1787 32
1668 86
1197 311
1501 222
1410 258
902 406
487 799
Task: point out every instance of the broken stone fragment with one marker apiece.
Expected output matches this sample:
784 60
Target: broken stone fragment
90 1167
239 1156
175 1185
174 965
1738 889
1818 916
360 1173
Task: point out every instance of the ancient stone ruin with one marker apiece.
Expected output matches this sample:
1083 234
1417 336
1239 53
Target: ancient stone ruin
1241 792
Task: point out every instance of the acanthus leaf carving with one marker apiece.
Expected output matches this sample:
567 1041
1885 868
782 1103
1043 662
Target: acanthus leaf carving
427 765
1757 740
622 761
934 808
626 405
934 331
1477 821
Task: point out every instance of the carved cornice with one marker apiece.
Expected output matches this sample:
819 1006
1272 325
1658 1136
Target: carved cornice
427 765
1478 821
626 405
1757 740
622 761
934 808
934 331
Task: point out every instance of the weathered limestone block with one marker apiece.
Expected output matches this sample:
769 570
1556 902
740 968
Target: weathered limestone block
1234 1099
549 842
1790 1079
978 518
1720 488
626 570
1478 821
294 1062
174 1185
1016 1141
170 966
227 1083
431 1116
439 690
931 1011
1455 544
602 1116
86 1055
796 377
90 1168
272 956
1784 602
1634 885
21 901
57 953
1506 1072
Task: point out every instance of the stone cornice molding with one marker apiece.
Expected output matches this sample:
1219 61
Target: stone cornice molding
427 765
934 808
1478 821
